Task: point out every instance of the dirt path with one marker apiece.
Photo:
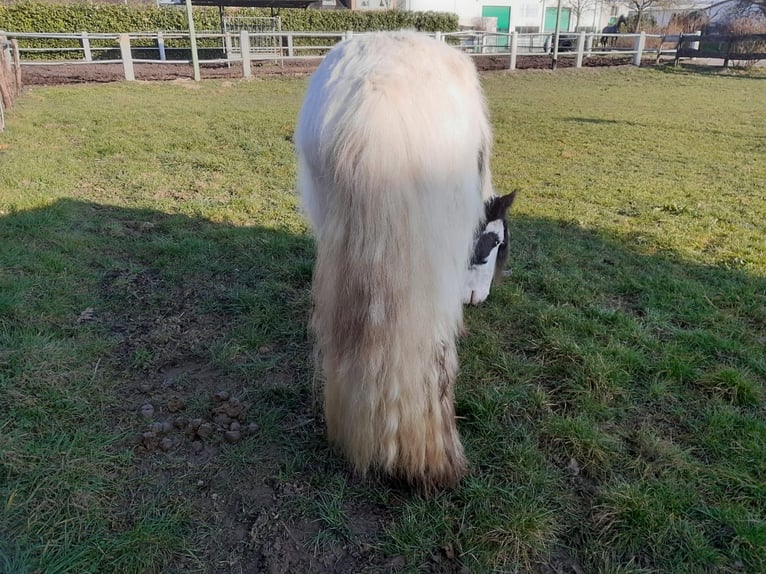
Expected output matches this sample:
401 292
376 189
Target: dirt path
42 75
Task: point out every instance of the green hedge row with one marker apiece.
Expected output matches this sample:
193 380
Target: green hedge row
38 17
74 18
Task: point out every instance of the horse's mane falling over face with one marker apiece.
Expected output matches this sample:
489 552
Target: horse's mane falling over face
393 142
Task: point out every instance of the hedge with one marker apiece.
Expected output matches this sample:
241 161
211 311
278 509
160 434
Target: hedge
94 18
39 17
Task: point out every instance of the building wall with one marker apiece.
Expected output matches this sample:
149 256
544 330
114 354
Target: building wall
372 4
465 9
524 13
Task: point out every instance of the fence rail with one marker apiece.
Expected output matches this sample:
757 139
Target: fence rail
216 47
726 47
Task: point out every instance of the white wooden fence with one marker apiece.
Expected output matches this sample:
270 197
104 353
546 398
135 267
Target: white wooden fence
95 48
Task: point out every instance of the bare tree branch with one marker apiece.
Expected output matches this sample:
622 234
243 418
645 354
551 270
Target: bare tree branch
579 7
750 7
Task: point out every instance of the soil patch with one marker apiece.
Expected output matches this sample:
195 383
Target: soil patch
56 74
242 455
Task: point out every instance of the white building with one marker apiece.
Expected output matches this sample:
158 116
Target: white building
519 15
715 11
533 15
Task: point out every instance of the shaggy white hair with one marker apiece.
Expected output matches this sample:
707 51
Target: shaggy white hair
393 145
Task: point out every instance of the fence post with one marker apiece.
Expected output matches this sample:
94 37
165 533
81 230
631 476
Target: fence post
193 40
639 48
580 49
16 61
349 34
161 45
290 52
589 44
438 36
86 47
244 48
514 50
227 44
695 45
127 58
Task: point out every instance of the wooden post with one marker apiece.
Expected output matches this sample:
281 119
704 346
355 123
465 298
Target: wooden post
86 47
695 45
639 48
227 44
7 93
678 47
589 44
244 49
192 40
438 36
6 97
290 52
556 36
161 45
4 56
514 50
349 34
580 50
127 57
16 62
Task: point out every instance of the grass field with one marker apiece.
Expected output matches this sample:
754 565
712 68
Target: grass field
155 275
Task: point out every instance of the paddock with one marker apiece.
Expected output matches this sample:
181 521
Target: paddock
156 375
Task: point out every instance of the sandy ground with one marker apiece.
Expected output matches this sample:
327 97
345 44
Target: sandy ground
55 74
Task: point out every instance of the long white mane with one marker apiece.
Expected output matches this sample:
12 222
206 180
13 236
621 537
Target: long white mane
393 146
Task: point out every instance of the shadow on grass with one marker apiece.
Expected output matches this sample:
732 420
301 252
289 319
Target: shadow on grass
601 384
167 357
698 69
599 121
104 310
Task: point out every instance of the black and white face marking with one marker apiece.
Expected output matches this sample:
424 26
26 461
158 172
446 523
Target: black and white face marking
483 262
488 240
490 250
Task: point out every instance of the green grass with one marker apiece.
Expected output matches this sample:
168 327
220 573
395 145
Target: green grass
612 390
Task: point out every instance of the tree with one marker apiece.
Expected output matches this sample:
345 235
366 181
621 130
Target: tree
579 7
749 7
640 7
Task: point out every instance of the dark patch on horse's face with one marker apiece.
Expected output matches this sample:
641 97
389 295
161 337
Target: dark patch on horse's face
490 250
497 209
481 271
483 247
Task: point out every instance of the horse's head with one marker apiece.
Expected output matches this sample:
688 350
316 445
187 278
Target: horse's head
490 250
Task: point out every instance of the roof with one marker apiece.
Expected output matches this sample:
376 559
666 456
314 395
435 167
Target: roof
256 3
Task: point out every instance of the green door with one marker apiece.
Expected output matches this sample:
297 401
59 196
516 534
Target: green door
503 15
550 19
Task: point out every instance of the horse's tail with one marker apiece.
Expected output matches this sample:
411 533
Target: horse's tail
393 165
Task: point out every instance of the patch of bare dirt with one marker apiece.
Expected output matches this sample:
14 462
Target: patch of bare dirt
493 63
57 74
46 75
197 444
251 516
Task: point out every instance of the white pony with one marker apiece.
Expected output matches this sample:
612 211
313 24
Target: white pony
393 145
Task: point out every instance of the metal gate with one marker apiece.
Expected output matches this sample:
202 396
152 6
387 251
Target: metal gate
260 46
